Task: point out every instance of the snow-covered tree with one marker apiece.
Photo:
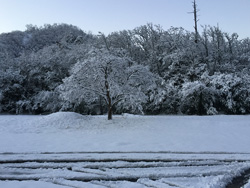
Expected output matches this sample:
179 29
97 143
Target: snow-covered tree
11 89
33 64
234 92
109 75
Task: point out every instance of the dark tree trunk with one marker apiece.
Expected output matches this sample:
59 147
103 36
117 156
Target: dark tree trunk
110 113
109 106
195 22
109 101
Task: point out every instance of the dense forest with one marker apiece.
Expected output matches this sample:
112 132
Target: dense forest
145 70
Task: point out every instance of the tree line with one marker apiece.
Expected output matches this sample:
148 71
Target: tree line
145 70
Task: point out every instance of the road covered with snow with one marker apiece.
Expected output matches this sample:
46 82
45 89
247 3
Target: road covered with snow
66 149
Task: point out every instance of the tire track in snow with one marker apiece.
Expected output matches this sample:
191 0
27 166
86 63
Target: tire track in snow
109 169
240 181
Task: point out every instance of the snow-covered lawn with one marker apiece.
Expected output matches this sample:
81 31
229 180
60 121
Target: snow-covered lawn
66 149
66 131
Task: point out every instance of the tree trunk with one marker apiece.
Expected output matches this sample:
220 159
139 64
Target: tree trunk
110 113
195 22
109 101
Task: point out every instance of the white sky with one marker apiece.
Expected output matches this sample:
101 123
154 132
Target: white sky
114 15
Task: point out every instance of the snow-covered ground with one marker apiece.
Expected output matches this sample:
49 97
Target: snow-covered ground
66 149
67 131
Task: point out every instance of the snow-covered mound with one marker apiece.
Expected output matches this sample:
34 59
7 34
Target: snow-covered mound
61 120
43 123
72 120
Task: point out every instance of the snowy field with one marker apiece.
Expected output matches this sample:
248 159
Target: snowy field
70 132
70 150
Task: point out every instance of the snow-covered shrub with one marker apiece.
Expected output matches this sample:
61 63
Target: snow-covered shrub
197 98
163 99
212 111
46 101
233 92
23 106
